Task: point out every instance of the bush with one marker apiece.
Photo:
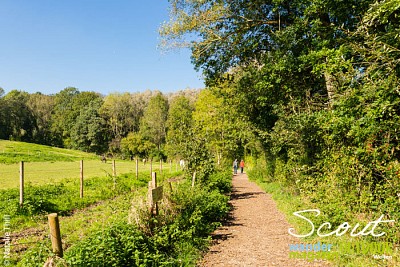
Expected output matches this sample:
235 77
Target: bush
221 181
119 245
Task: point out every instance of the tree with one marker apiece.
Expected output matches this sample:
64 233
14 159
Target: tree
153 125
122 113
19 121
42 107
68 105
231 34
189 94
90 132
220 125
134 145
179 124
376 42
3 116
62 119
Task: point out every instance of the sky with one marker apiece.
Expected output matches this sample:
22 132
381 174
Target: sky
104 46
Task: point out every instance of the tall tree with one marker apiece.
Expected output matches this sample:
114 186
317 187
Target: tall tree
253 33
68 105
90 132
122 112
220 125
153 125
19 118
179 124
134 145
42 107
3 116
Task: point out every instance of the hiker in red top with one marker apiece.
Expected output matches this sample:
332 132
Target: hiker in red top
241 165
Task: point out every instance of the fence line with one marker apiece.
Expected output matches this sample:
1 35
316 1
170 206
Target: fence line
81 180
21 184
81 189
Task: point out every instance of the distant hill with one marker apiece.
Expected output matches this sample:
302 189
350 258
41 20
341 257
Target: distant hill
13 152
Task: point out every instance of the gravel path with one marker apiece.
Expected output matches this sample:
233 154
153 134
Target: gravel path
256 234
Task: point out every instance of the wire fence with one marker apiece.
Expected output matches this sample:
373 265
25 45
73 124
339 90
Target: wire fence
44 172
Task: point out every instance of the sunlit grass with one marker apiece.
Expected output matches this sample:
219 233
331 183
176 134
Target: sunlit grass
14 152
44 164
37 173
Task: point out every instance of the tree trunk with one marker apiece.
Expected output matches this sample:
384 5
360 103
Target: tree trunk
330 87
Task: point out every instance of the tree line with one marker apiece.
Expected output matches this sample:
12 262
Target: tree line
318 81
189 124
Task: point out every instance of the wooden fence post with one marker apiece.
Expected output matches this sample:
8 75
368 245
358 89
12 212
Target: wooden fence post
160 166
137 167
153 185
150 197
21 184
114 169
81 188
151 166
170 187
154 179
193 178
55 235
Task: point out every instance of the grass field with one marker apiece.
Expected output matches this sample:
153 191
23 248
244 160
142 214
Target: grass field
49 165
14 152
38 173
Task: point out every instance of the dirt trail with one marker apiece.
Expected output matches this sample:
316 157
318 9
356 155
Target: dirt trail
256 234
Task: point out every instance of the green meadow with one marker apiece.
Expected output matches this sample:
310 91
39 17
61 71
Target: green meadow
49 165
14 152
38 173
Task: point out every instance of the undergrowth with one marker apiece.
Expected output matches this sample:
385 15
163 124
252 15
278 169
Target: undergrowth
176 237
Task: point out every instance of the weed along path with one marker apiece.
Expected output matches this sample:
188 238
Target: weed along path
256 233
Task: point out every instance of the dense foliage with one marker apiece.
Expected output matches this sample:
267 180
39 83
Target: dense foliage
319 83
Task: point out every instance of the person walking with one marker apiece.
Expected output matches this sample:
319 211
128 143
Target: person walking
235 166
241 166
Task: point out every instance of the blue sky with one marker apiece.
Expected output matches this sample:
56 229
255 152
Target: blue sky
93 45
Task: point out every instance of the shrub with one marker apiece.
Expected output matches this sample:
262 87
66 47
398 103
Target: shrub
118 245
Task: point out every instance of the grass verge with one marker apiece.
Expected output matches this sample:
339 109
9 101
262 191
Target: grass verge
347 251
